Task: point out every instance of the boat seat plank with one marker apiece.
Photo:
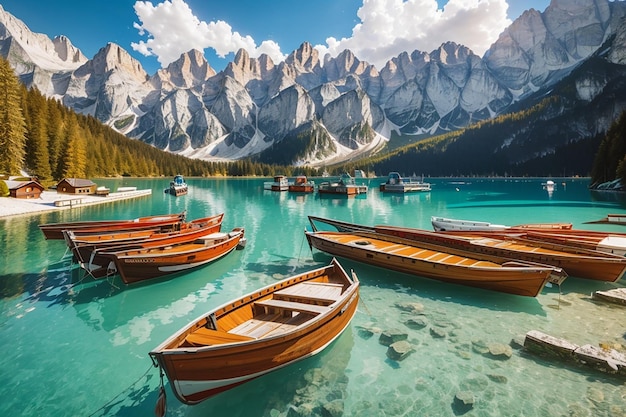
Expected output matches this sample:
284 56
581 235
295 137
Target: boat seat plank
292 306
326 293
269 324
294 322
259 325
208 337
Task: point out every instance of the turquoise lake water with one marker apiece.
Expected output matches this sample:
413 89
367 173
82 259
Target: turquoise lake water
76 347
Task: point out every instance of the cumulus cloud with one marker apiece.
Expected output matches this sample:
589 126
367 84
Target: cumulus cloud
389 27
173 29
385 29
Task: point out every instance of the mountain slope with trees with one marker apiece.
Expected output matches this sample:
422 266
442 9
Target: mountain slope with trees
49 141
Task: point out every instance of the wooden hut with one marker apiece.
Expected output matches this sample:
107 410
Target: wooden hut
76 186
24 189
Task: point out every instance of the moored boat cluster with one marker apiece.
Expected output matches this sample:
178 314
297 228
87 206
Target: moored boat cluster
297 317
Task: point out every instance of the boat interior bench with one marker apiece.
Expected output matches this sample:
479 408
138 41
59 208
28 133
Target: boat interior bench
322 293
287 307
208 337
269 324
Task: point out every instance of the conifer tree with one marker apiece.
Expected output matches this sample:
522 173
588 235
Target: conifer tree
55 125
12 125
75 152
37 156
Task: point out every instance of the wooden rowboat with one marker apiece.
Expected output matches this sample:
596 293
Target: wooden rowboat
167 221
614 243
260 332
83 246
611 219
135 265
441 224
579 262
437 262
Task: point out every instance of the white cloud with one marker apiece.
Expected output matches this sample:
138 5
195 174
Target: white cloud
385 29
389 27
174 30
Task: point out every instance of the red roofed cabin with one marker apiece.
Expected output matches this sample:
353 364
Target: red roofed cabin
76 186
24 189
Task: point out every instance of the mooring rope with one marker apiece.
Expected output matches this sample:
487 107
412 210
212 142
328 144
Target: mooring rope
301 245
122 392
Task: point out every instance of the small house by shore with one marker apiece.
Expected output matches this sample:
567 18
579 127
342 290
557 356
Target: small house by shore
76 186
24 189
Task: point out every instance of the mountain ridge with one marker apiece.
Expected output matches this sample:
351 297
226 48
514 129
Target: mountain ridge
254 104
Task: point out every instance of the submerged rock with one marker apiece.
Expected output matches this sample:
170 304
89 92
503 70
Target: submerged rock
501 379
416 323
438 332
391 336
333 409
479 346
500 351
410 307
463 402
399 350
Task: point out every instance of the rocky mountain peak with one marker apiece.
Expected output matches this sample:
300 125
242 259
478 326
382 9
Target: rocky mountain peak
66 51
36 49
451 53
344 64
190 70
254 103
113 58
306 57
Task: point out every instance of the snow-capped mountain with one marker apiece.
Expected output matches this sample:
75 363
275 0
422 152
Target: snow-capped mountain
346 105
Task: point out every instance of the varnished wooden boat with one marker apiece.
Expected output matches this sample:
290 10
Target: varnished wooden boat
613 243
611 219
437 262
441 224
260 332
301 185
345 186
579 262
55 230
607 242
84 245
135 265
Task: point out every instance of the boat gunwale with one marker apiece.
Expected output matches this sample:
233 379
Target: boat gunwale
496 266
251 297
198 247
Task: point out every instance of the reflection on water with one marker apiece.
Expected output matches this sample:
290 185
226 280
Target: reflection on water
66 330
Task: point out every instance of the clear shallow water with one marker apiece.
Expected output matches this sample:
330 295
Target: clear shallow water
73 347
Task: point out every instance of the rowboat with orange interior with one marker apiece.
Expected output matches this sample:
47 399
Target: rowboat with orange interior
162 222
135 265
84 246
578 262
258 333
438 262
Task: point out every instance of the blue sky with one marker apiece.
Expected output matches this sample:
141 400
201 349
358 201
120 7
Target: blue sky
157 32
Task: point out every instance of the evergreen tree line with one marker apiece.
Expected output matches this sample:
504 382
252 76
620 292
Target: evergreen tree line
49 141
610 161
478 150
